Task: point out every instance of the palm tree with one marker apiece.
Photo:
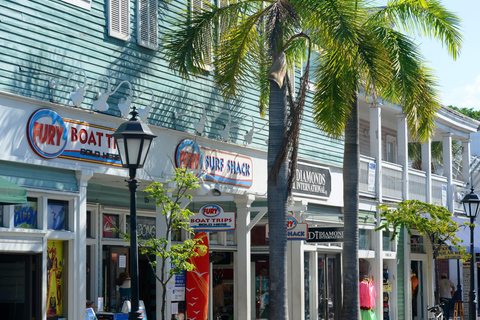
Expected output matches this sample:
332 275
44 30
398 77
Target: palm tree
358 50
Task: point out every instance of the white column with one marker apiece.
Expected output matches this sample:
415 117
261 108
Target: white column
447 168
376 145
242 272
466 160
402 140
427 167
80 246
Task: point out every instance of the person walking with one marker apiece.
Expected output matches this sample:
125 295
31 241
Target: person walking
447 290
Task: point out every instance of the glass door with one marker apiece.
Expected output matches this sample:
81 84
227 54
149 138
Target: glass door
221 266
328 284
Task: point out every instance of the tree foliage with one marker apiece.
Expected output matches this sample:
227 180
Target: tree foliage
474 114
171 258
427 219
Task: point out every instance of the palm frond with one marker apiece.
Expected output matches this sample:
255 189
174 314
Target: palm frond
428 18
412 84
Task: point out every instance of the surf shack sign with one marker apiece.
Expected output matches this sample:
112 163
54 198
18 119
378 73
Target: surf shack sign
220 166
312 180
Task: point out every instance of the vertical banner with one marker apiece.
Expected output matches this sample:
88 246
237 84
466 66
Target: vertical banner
466 288
55 275
197 283
372 167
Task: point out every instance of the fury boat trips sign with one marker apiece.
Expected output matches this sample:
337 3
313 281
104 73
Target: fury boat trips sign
212 218
222 167
50 137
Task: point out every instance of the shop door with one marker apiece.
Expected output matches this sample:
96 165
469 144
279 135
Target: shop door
222 285
328 284
419 297
20 286
115 260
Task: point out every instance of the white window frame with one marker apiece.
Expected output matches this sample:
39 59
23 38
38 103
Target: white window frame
151 26
391 140
199 3
84 4
124 9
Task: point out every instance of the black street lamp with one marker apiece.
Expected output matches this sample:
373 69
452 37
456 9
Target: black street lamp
471 204
133 140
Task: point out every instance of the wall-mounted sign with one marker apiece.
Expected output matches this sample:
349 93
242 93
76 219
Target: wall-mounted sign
326 234
372 167
446 253
222 167
295 229
50 137
312 180
212 218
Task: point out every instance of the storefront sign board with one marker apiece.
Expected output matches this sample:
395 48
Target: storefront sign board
312 180
222 167
295 230
446 253
326 234
212 218
50 136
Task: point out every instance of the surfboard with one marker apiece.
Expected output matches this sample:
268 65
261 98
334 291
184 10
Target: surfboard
197 283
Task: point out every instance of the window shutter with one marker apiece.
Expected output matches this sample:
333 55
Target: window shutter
119 19
196 6
147 23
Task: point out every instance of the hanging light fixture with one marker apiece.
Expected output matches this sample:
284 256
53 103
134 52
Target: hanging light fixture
77 95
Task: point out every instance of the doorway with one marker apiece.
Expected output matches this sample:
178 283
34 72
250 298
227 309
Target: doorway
20 286
222 274
117 260
328 285
418 290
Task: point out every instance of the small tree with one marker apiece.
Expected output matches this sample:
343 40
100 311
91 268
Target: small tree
176 219
429 219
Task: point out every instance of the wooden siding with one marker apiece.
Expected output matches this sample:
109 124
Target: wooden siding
45 40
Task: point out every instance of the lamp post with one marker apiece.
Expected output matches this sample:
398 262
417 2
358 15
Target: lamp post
133 140
471 204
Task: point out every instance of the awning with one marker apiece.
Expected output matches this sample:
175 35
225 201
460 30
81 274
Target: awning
464 234
10 193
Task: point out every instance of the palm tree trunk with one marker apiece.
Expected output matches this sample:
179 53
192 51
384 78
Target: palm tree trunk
277 206
351 173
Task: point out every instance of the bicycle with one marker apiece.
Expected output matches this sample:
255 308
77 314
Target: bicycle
436 311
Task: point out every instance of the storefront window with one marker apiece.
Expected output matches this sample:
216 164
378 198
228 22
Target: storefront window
1 216
364 239
146 228
213 237
26 214
387 244
111 225
231 238
89 224
56 275
416 244
262 290
57 215
307 280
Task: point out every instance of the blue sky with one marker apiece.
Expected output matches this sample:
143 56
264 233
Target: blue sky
459 80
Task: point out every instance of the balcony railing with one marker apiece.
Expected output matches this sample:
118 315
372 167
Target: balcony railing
392 181
439 190
417 181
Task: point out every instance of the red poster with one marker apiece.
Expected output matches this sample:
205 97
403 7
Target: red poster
197 283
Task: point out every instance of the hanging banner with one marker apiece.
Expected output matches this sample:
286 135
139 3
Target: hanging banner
212 218
372 167
55 275
198 282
